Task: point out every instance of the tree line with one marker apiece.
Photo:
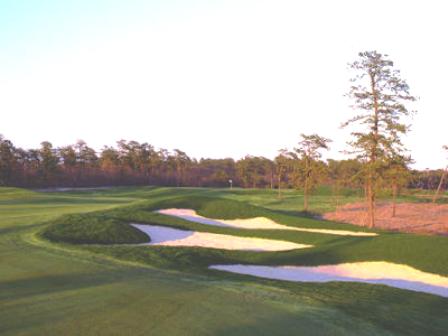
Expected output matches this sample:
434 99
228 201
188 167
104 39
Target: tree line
378 159
135 163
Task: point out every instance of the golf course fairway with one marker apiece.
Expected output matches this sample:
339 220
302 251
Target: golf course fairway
71 264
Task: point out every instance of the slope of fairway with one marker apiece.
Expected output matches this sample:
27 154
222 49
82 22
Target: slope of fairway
63 287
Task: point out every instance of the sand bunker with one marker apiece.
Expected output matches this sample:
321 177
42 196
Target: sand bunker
164 236
376 272
410 217
252 223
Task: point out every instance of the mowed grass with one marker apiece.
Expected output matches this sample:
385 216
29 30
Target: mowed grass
58 277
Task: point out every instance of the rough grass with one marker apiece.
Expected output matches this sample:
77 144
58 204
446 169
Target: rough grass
93 229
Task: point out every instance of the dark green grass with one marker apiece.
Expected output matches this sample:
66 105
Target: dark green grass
64 285
93 229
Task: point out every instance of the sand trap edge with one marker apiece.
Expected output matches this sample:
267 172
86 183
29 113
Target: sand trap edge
412 279
166 236
256 223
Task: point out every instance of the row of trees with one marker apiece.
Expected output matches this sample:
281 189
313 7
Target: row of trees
134 163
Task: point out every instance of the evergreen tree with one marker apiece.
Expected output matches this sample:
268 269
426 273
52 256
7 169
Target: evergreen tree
380 97
309 151
7 161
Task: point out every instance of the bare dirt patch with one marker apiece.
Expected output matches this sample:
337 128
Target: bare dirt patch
410 217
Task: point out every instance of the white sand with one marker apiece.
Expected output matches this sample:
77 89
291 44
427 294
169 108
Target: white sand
164 236
252 223
377 272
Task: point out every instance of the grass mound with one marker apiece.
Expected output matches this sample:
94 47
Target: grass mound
92 229
214 207
223 208
8 193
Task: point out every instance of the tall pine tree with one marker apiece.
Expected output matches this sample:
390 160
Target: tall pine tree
380 98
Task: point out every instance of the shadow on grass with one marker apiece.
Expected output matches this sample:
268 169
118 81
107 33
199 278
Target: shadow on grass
306 214
15 289
54 283
301 322
17 229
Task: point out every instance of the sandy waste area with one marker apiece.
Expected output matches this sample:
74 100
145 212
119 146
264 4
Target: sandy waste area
164 236
410 217
372 272
252 223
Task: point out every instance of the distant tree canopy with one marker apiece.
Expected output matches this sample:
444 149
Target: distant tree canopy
134 163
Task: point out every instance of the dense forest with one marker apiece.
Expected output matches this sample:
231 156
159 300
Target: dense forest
134 163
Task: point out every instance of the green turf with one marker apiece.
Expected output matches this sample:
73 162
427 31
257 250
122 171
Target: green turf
53 283
92 229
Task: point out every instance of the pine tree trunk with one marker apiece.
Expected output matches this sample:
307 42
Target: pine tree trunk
305 189
279 186
394 199
333 194
373 153
338 196
436 195
305 195
371 203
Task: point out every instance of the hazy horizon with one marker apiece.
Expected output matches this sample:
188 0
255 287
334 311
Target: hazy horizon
212 78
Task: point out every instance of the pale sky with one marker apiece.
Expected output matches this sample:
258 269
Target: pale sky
214 78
